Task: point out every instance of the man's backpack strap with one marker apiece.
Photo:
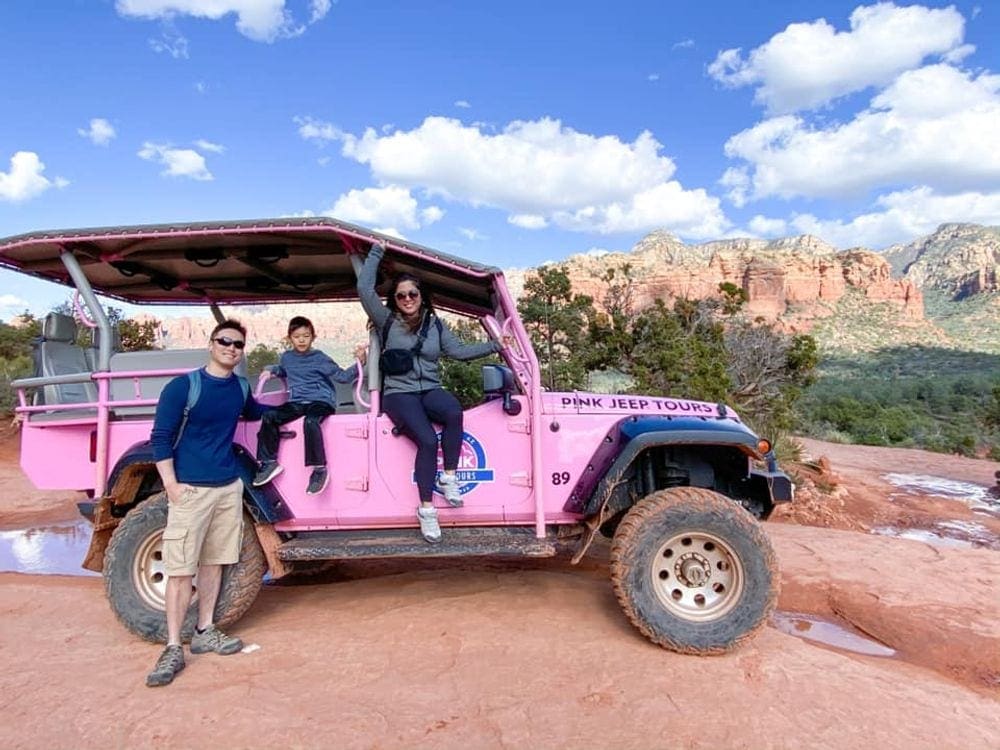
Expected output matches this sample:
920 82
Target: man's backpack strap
194 393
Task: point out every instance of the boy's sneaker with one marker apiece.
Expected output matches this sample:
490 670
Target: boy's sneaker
268 471
318 481
170 663
429 526
213 639
447 485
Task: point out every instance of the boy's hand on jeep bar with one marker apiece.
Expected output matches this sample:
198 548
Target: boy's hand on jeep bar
361 353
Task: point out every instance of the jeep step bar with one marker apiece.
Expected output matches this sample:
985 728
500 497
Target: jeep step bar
519 541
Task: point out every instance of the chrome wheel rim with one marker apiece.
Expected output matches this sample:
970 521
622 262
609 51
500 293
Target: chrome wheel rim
149 573
697 576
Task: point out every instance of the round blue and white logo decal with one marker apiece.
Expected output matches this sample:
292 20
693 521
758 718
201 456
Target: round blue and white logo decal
472 465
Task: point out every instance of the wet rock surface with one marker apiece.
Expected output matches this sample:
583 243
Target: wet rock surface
503 653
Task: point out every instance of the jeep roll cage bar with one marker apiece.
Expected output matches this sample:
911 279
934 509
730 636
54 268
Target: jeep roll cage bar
257 262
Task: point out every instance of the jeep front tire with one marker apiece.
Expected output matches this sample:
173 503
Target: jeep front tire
135 581
693 571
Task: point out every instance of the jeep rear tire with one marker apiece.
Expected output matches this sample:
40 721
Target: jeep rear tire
135 582
693 571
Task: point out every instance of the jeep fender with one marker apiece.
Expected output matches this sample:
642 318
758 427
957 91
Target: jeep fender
605 493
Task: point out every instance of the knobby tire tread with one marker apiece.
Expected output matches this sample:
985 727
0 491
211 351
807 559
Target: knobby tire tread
241 582
624 554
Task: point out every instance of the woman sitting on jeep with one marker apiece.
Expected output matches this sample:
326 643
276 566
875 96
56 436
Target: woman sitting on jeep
413 340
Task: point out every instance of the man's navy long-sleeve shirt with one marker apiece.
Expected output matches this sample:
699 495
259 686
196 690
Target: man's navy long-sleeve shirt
204 456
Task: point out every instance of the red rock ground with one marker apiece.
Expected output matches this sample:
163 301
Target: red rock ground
537 653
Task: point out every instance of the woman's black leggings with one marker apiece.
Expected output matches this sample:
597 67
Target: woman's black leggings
412 414
313 411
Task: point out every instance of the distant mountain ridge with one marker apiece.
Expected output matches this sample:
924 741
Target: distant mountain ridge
959 259
851 300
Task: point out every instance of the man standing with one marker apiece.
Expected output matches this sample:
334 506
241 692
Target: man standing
193 450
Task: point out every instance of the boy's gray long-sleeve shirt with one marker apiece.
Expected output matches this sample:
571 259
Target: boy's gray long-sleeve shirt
424 376
309 375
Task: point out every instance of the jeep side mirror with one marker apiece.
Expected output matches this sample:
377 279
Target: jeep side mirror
498 379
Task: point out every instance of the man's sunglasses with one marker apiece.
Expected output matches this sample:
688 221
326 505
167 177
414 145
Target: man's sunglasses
226 342
412 294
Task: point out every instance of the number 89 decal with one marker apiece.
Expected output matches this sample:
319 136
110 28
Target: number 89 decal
560 477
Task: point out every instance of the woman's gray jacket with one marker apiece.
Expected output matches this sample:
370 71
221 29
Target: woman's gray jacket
440 340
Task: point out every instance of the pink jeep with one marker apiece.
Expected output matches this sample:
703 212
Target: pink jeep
678 485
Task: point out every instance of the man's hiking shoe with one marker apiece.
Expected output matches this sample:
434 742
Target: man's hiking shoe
213 639
447 485
170 663
429 526
268 471
318 481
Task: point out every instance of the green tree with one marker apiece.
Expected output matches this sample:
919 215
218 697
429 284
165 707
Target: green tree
260 357
15 355
733 298
609 329
679 352
769 370
464 378
137 336
557 321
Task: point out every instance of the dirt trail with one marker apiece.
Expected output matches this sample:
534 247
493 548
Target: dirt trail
534 654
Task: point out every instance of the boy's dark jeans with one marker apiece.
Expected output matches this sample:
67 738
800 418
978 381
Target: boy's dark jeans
314 411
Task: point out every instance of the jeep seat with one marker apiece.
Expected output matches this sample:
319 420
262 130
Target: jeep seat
56 353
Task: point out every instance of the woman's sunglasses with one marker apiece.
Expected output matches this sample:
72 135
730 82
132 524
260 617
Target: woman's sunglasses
412 294
225 341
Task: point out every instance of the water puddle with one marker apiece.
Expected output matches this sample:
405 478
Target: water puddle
47 550
828 633
958 534
977 497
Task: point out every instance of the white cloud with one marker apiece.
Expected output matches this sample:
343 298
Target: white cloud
100 133
738 182
462 104
537 169
318 9
179 162
901 216
391 231
392 206
692 213
431 214
683 44
315 130
653 77
25 179
471 234
13 301
201 87
260 20
528 221
171 42
935 126
214 148
761 225
809 64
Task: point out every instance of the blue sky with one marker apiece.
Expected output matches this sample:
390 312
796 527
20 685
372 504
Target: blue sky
510 133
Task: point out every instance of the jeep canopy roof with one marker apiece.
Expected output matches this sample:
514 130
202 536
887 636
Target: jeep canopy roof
242 262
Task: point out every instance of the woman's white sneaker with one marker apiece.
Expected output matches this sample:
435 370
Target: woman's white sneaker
447 485
429 526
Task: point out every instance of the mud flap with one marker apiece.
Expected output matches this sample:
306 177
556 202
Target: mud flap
104 525
269 543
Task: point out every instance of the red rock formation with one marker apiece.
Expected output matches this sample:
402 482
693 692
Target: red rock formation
793 281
